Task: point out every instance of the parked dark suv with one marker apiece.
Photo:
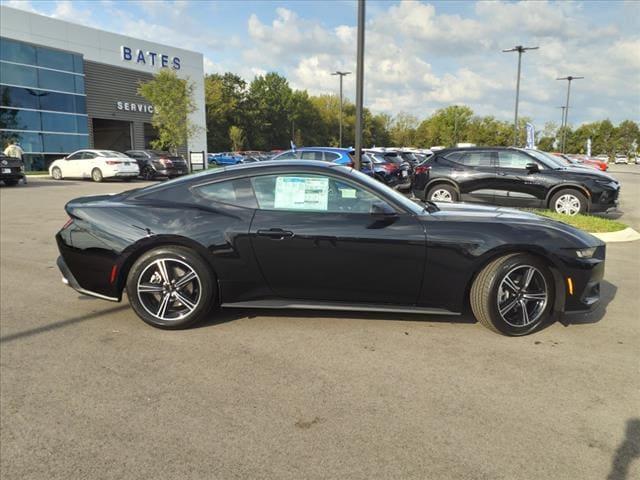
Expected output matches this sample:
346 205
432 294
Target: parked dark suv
513 177
11 170
156 163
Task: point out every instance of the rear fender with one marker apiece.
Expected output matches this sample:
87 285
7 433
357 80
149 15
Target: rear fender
135 251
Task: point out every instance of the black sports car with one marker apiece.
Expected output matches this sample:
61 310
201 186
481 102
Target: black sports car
514 177
308 234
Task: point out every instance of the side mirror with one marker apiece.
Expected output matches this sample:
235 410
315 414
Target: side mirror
532 168
381 209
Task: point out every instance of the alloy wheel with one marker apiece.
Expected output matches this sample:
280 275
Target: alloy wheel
441 195
567 204
169 289
522 296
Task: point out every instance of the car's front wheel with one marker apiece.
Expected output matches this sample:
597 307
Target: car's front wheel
56 173
513 295
171 287
568 202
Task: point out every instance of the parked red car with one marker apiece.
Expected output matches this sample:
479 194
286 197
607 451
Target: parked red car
587 161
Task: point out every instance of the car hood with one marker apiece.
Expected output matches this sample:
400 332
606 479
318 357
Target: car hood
481 213
592 173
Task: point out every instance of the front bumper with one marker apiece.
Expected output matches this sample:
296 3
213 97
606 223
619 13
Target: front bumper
582 279
14 175
70 280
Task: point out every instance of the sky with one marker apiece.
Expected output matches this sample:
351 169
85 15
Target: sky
419 55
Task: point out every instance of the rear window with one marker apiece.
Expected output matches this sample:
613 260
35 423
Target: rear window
236 192
306 155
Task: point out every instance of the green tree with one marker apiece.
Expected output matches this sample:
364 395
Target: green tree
403 130
627 137
225 98
447 127
268 121
236 136
172 100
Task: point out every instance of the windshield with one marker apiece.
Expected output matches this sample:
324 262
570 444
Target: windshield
390 192
547 159
111 153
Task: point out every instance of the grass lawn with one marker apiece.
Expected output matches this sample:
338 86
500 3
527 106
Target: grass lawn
37 172
588 223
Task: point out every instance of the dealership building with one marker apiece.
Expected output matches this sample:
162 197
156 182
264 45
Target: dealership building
65 87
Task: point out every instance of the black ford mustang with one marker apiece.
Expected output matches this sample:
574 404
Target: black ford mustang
305 234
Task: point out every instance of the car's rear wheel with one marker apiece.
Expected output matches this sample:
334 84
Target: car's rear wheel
96 175
56 173
442 193
171 287
148 173
513 295
568 202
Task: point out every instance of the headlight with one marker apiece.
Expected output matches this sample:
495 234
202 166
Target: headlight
586 252
605 182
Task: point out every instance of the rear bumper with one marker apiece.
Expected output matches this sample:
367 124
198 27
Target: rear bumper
70 280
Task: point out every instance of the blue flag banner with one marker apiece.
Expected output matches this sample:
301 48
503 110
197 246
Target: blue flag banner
531 136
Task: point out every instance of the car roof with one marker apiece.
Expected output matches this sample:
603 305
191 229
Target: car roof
472 149
330 149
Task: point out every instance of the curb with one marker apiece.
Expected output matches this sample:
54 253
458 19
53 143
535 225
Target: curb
626 235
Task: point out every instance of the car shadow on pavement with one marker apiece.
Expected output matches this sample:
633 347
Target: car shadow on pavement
61 324
607 294
626 452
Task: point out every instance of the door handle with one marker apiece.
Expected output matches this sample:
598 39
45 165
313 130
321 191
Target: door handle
275 233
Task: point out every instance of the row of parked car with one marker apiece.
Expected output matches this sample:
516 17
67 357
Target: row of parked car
505 176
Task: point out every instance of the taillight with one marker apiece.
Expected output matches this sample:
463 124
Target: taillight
68 222
350 164
422 169
389 167
166 162
112 162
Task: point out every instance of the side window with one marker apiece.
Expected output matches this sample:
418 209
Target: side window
311 155
477 159
75 156
286 156
234 192
507 159
88 155
331 156
305 192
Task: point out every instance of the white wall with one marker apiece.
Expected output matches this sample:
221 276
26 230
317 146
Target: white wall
105 47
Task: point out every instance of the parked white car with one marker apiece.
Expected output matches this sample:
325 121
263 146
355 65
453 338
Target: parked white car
621 158
94 164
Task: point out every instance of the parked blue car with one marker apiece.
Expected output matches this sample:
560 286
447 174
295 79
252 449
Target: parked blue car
227 158
341 156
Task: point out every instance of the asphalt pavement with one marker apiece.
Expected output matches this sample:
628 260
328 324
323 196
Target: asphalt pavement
87 390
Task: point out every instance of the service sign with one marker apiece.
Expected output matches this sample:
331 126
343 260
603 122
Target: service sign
153 59
134 107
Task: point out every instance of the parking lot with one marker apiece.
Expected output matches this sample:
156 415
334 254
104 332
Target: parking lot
87 390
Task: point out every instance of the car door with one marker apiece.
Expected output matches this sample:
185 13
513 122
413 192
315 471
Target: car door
475 174
87 164
314 237
72 165
517 186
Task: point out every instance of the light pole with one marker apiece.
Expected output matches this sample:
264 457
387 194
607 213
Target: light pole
566 107
520 49
341 74
359 83
561 131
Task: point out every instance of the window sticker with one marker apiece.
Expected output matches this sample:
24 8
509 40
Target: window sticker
348 192
302 193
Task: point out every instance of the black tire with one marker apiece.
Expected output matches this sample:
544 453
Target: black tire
441 191
148 173
56 173
11 183
490 294
96 175
200 292
569 200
